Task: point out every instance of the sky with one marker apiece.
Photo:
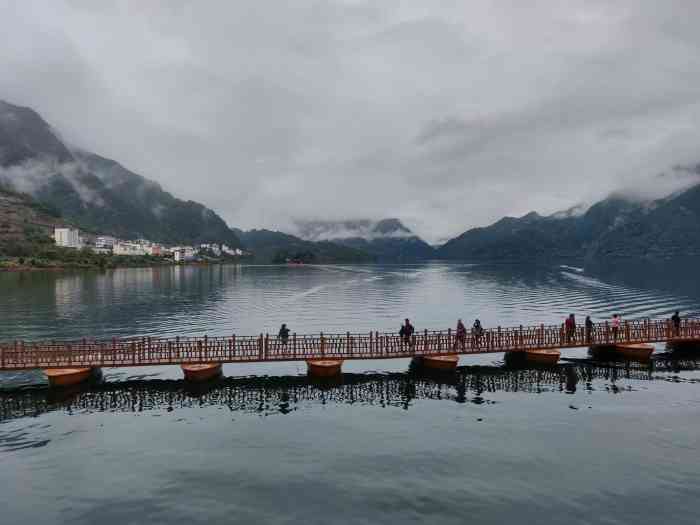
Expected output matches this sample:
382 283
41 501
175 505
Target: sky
447 115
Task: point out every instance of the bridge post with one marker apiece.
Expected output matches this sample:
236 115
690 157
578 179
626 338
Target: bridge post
199 350
323 346
425 341
348 345
2 356
370 342
294 344
260 347
627 330
267 345
500 338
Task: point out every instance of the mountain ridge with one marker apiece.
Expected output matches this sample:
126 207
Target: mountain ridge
388 240
270 246
617 226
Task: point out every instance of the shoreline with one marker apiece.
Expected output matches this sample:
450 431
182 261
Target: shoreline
25 268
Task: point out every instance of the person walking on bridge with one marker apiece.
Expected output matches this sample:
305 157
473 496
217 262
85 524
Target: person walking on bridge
460 335
477 332
283 334
676 321
570 328
406 332
589 329
615 326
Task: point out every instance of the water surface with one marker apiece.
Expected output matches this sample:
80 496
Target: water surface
582 443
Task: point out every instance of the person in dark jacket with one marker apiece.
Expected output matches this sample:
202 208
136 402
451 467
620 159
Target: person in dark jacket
283 334
406 331
589 329
477 332
676 321
460 335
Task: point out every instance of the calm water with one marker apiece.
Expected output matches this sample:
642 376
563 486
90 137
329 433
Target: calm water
582 443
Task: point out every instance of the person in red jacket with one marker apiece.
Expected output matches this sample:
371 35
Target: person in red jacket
570 328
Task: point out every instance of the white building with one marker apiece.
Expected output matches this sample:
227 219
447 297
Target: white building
232 251
105 242
213 248
183 253
67 237
128 248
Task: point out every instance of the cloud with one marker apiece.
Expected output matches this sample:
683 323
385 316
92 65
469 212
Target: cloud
446 116
32 176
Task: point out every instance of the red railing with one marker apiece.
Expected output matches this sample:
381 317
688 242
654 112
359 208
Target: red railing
145 351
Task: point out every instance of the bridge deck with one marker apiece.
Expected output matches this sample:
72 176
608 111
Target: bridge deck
145 351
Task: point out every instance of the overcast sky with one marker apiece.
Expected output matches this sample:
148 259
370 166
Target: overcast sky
445 114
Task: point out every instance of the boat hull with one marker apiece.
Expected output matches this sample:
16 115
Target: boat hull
201 371
545 357
324 367
636 352
684 346
68 376
440 362
623 351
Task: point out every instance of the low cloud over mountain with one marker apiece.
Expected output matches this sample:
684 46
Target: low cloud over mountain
96 193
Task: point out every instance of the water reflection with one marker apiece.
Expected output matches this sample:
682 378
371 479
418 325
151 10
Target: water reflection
220 300
284 395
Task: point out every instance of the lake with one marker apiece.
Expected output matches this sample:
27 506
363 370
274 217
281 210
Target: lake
585 442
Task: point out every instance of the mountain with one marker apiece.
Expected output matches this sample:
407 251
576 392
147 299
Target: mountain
96 193
387 240
662 229
615 227
275 247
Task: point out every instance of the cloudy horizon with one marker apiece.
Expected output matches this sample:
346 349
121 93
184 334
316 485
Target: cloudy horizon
447 117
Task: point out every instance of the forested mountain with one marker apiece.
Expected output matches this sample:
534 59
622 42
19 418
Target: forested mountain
387 240
614 227
277 247
96 193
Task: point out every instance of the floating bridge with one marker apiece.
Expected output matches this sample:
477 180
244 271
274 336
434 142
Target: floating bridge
147 351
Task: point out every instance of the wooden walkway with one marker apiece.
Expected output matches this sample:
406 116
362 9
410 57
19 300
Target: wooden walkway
145 351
